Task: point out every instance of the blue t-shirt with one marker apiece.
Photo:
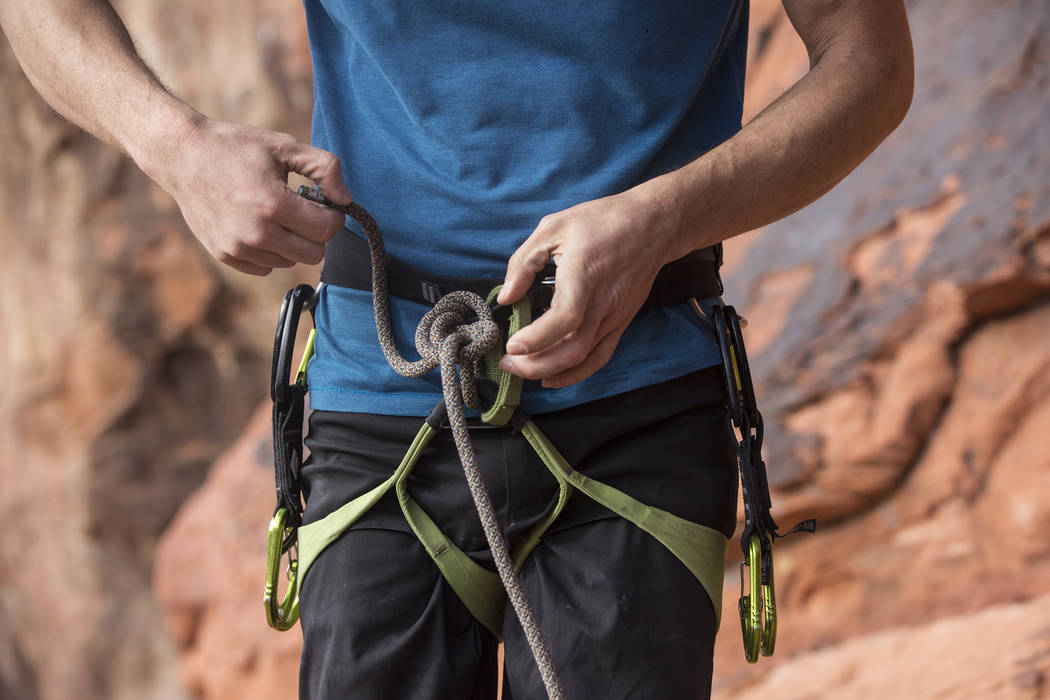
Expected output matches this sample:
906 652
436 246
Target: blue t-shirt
460 124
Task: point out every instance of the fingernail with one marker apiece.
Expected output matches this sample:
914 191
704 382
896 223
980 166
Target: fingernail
501 298
515 348
506 365
549 384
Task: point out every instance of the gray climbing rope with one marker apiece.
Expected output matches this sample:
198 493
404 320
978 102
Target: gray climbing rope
445 338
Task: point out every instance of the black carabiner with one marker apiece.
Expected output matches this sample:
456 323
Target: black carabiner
730 376
747 387
297 299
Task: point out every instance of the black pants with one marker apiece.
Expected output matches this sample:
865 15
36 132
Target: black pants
622 616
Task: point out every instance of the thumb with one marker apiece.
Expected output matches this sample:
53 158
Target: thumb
320 166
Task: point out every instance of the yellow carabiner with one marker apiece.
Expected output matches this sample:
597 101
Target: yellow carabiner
769 629
284 616
758 606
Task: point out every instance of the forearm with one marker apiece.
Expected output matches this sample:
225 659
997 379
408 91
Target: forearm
80 57
857 91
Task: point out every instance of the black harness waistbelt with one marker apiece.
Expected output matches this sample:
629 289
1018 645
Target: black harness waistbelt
347 265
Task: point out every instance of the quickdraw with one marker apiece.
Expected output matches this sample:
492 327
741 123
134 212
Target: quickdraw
288 408
757 604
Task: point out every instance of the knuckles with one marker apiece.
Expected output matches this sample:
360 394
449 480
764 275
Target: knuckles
328 162
335 225
572 316
575 355
283 143
268 208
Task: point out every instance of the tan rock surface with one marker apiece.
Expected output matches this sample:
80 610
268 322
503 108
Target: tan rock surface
1000 653
129 358
907 391
212 595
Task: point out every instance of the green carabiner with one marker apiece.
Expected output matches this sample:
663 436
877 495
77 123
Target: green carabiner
284 616
758 607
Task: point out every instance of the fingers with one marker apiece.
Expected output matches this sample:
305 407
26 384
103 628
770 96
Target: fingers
292 246
597 359
245 267
320 166
526 262
572 360
566 316
269 246
311 220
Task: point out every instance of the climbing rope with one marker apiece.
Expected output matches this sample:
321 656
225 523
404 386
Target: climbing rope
446 337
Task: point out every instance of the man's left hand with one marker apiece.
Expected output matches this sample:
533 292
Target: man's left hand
607 253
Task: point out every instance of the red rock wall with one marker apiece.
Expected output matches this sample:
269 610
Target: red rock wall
901 339
899 333
129 359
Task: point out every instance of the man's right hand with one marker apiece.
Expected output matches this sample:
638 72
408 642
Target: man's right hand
230 182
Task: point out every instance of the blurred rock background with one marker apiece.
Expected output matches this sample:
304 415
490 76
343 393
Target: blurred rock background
900 337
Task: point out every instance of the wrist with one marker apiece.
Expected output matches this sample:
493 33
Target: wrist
157 147
668 228
683 198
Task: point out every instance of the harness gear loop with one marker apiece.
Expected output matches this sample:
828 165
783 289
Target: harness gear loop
757 604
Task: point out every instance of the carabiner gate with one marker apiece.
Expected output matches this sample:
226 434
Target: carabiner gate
284 615
758 607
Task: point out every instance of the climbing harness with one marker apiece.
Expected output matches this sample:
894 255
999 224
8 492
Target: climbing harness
461 331
757 604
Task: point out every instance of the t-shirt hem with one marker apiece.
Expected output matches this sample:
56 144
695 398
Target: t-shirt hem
600 386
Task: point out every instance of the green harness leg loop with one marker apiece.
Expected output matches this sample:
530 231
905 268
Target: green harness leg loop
316 536
478 588
702 549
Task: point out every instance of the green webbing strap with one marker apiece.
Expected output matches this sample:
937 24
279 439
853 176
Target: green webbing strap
702 549
564 491
508 395
478 588
313 538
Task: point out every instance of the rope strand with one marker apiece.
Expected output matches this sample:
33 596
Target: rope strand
445 339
